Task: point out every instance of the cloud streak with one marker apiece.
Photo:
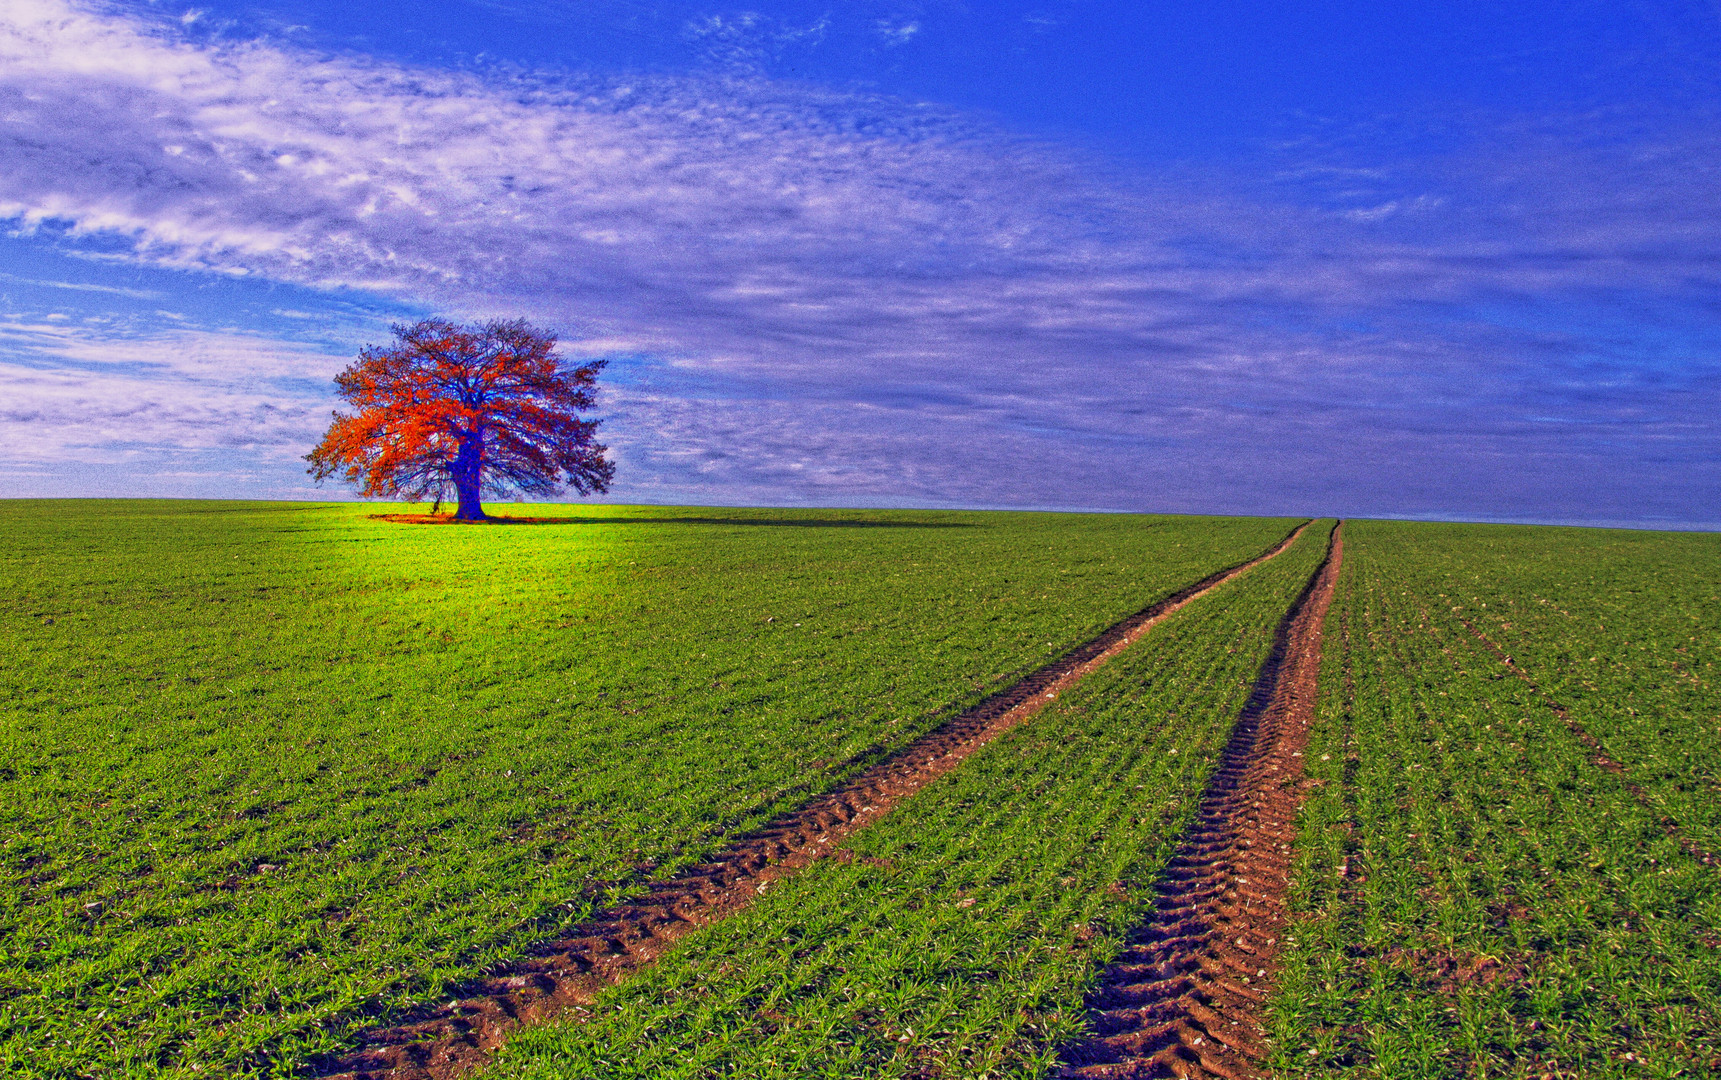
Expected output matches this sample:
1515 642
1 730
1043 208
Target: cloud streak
831 296
83 394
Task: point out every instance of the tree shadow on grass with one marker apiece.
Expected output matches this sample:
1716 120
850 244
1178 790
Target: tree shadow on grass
804 523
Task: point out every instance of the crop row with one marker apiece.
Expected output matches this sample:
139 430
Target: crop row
1475 895
1622 629
958 936
272 773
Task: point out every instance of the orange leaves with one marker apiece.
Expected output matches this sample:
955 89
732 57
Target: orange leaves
449 410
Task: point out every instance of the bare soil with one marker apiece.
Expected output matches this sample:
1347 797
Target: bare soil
1186 997
1448 972
565 975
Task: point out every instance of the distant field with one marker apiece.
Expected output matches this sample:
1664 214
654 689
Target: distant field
1479 894
270 772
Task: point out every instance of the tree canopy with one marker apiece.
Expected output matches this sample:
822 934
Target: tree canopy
465 411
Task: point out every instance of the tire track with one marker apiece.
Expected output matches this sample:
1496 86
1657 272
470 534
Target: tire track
1186 997
566 974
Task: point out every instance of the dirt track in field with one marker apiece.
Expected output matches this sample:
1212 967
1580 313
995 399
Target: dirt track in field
565 975
1599 756
1186 997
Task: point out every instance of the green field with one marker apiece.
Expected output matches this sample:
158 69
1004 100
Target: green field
1478 897
270 772
274 773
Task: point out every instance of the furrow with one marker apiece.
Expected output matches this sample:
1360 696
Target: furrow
1186 997
566 974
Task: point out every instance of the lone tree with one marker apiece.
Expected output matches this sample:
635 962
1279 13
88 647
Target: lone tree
465 411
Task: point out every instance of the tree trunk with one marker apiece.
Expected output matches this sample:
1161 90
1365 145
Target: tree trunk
469 477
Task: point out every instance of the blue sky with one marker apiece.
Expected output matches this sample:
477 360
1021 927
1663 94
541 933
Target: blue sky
1457 261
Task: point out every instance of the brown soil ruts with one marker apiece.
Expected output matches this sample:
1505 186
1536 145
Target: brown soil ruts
1600 756
567 973
1185 998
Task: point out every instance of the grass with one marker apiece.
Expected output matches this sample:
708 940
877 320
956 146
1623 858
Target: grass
957 936
1623 629
272 772
1476 897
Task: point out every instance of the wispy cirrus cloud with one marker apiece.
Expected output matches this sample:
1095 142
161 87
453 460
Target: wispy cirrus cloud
82 286
76 397
832 296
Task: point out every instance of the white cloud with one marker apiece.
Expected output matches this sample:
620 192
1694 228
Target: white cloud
897 31
746 41
651 196
78 392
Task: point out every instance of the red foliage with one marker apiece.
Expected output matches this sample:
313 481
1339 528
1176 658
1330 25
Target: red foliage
465 411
